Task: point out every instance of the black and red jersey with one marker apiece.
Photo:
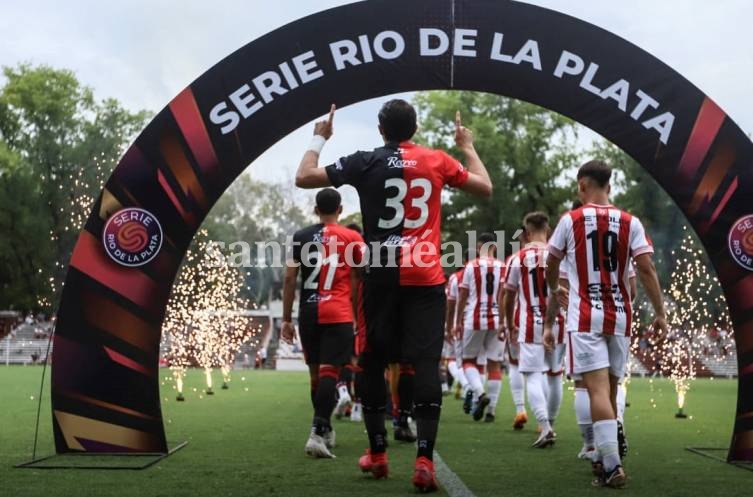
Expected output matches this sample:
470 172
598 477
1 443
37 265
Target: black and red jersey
400 187
327 253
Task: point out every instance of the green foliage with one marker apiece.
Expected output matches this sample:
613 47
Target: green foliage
257 212
527 151
54 137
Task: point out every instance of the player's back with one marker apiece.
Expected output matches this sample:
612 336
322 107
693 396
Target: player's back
598 242
400 186
482 278
327 253
526 274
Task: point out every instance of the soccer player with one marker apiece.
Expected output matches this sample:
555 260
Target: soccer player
512 352
525 278
326 255
478 322
400 186
455 364
597 240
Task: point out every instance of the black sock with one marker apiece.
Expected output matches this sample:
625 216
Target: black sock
405 393
324 401
374 399
428 404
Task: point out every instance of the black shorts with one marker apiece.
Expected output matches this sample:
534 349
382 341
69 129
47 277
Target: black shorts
327 343
404 323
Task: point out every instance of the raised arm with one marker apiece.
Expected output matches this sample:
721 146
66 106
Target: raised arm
309 174
478 182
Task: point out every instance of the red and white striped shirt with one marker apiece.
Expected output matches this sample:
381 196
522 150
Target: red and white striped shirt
483 279
597 241
525 274
453 281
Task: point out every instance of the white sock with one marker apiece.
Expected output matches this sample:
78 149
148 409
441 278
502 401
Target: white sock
583 416
621 399
517 388
554 397
474 380
605 435
342 390
493 387
537 400
457 373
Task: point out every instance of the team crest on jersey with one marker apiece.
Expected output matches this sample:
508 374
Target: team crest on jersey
132 237
740 241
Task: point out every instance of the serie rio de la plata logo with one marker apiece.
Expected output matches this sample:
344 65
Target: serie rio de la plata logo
740 241
132 237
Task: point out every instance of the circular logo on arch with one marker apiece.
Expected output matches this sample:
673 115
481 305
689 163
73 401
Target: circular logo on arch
740 241
132 237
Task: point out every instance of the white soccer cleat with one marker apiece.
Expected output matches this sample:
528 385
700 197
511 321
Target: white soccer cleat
355 414
343 403
329 439
586 453
317 447
545 440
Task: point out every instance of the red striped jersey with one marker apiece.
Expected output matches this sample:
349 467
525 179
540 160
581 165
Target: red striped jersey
327 253
483 278
452 284
400 187
526 275
597 241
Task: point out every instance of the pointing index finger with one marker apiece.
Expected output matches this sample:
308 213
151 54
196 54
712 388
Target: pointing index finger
458 123
331 113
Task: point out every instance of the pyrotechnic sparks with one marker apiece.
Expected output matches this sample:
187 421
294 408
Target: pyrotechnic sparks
82 190
204 325
696 308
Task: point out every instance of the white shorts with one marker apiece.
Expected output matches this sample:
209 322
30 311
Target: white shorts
458 344
592 351
555 360
532 358
486 343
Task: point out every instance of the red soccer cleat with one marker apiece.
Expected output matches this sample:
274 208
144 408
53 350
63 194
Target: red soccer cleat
376 464
423 476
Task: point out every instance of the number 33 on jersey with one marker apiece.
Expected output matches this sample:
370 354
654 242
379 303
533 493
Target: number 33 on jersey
400 187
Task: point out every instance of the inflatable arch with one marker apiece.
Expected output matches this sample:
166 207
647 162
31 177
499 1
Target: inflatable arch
105 386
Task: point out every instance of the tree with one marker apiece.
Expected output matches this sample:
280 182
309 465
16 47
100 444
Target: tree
527 151
55 139
257 212
638 193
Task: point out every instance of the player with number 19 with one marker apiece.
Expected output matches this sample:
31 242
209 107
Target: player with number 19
598 240
400 186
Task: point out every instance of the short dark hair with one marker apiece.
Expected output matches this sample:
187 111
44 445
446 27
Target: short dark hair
328 201
577 204
536 221
597 170
486 238
355 227
398 120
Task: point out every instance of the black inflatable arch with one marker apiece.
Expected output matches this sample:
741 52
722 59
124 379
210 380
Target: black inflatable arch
105 388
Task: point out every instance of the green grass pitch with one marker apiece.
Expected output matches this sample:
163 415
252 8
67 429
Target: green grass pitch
248 441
